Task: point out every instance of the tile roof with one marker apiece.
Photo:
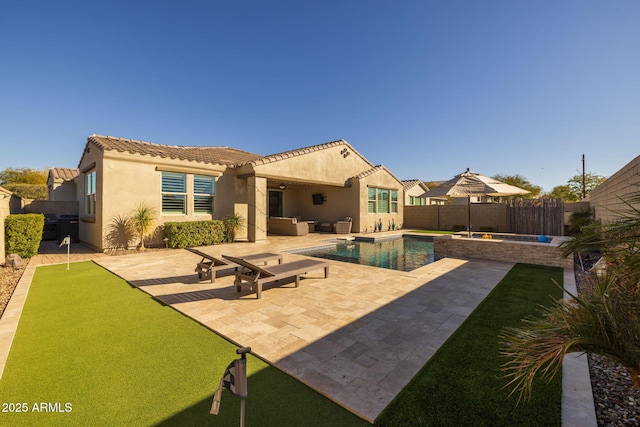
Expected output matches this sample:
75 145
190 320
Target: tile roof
410 183
65 174
209 155
293 153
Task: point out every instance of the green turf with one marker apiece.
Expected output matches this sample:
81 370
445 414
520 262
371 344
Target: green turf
462 384
97 352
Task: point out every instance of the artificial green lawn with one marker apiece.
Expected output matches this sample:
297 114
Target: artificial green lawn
118 357
462 385
89 342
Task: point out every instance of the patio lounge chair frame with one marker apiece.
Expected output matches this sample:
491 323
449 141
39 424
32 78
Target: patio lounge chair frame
252 275
209 264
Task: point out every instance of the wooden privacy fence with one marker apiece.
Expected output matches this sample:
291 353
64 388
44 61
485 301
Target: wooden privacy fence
536 216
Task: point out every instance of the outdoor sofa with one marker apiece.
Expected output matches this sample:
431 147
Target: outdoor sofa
288 226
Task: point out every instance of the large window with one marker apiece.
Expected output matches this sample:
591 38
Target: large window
372 200
417 201
203 192
394 201
90 192
381 200
174 193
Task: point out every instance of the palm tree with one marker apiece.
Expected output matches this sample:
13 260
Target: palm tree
603 319
142 219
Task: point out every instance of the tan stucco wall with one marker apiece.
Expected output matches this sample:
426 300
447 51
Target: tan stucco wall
329 166
444 217
125 180
607 198
56 208
60 190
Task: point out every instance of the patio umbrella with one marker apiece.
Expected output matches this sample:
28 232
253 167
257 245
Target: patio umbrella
469 184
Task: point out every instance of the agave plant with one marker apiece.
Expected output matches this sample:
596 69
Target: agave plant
603 319
142 220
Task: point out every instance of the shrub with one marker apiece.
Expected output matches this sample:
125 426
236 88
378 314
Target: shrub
28 191
194 233
456 227
23 234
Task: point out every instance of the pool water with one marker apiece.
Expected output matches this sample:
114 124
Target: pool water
403 254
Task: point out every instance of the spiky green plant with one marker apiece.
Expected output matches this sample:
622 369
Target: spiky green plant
233 224
142 219
604 319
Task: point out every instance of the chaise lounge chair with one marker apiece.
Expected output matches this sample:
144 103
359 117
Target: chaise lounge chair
251 275
209 265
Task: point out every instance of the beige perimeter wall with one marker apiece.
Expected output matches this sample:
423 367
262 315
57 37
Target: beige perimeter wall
444 217
607 198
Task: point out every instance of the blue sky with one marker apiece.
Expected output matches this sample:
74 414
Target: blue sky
426 88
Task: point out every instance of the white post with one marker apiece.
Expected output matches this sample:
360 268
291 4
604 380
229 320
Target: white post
68 251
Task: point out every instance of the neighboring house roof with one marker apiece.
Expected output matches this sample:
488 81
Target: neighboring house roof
5 191
209 155
64 174
408 184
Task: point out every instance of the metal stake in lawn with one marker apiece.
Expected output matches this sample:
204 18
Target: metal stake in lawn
234 379
67 241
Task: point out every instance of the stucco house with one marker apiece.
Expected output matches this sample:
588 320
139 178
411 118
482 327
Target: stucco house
61 183
414 194
322 184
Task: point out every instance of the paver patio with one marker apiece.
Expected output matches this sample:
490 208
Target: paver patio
357 337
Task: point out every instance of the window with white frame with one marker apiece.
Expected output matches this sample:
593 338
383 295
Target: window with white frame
381 200
394 201
174 193
203 194
90 192
372 200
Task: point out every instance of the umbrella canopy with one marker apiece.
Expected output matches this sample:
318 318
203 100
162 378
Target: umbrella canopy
469 184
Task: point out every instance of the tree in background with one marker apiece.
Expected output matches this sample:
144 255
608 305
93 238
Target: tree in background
26 183
23 176
562 192
591 181
521 182
572 191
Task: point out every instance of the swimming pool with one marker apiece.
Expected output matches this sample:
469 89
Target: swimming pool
404 253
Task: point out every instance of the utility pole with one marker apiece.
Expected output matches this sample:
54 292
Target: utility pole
584 185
